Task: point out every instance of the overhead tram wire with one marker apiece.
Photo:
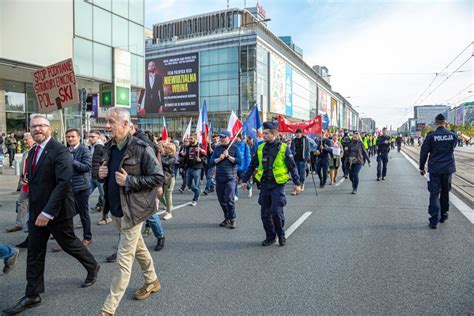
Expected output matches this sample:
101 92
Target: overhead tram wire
459 92
438 73
449 76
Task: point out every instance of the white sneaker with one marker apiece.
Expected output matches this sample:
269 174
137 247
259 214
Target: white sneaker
250 193
194 203
302 187
167 216
236 198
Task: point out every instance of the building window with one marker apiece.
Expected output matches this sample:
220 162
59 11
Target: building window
120 7
83 57
102 26
120 32
102 62
106 4
136 11
136 39
82 19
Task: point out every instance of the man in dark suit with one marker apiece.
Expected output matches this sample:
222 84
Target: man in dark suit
154 97
52 208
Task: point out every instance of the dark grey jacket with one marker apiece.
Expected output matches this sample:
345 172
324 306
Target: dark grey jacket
145 174
82 166
97 159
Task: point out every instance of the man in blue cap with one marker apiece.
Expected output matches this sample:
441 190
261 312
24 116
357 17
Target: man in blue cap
439 145
273 161
226 158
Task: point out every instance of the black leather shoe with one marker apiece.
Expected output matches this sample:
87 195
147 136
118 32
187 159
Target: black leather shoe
91 277
23 244
112 257
443 219
432 226
23 304
268 242
378 179
160 243
282 241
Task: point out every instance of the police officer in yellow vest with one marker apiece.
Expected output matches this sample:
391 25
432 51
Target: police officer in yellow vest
273 161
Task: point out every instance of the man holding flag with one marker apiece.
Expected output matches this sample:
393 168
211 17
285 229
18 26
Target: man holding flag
226 157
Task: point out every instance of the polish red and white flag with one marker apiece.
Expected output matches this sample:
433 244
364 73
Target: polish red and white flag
164 134
234 126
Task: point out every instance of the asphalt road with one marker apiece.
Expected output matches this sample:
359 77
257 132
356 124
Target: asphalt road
370 253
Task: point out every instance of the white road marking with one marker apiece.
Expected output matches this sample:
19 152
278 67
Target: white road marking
175 208
297 224
457 202
338 183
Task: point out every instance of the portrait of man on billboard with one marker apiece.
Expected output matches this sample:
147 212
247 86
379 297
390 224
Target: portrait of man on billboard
153 101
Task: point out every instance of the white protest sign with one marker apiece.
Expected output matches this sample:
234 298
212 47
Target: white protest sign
55 86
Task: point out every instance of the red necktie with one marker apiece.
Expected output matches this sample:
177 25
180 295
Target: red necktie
35 156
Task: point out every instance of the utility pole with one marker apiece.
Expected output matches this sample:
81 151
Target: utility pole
83 98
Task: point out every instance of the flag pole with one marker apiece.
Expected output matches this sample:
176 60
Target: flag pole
233 140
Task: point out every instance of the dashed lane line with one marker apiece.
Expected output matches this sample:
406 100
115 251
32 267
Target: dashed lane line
175 208
457 202
297 224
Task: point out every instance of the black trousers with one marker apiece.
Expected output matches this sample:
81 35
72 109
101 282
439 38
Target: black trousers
82 200
63 232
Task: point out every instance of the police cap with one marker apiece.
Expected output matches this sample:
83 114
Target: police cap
270 125
440 117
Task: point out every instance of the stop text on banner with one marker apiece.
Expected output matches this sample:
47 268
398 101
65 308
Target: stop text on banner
55 86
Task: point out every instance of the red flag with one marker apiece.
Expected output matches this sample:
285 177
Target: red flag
234 126
164 134
312 126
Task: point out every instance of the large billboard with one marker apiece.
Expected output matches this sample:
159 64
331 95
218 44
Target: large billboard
277 84
171 85
323 101
288 90
459 119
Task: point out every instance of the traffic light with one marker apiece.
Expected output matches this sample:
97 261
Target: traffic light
122 95
106 99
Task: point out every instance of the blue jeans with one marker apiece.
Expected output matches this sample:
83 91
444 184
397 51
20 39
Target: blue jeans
354 175
225 195
193 181
210 181
6 251
439 187
301 166
382 161
322 167
100 186
155 224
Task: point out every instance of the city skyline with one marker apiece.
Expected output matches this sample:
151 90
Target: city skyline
382 70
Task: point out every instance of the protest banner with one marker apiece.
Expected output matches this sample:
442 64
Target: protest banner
312 126
55 86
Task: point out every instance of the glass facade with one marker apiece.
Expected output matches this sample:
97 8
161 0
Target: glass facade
219 83
101 25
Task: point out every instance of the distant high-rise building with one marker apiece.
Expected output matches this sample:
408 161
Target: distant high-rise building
425 114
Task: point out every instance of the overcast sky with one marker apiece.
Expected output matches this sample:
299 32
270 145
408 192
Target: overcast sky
381 54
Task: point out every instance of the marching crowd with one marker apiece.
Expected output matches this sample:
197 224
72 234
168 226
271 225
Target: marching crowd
132 171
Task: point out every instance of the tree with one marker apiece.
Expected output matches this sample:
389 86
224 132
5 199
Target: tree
426 129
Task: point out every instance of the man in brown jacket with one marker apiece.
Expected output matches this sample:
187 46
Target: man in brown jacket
131 174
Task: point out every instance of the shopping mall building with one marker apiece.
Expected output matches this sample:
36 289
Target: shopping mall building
35 34
231 60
